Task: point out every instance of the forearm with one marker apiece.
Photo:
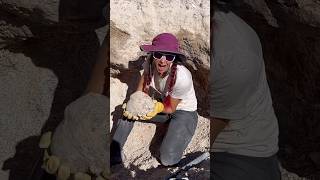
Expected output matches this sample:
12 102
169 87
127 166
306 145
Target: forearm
97 79
170 105
216 126
140 84
168 110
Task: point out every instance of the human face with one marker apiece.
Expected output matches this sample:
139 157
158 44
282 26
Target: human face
163 61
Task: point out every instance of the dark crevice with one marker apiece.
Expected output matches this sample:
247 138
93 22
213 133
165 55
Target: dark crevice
291 55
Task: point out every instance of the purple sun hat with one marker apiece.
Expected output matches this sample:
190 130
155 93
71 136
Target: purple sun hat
164 42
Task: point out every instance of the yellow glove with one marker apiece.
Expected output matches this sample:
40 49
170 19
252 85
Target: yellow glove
158 107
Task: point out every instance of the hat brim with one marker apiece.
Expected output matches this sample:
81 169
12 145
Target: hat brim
152 48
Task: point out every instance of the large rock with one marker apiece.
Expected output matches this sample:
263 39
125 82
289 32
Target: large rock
58 35
118 92
305 11
10 33
262 7
142 146
53 11
139 104
26 94
81 139
48 9
43 20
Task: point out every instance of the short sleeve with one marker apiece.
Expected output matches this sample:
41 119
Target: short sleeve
233 84
183 83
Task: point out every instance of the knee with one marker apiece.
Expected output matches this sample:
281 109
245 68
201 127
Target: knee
169 157
125 123
168 161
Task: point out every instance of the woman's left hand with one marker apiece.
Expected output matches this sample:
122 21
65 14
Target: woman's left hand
158 107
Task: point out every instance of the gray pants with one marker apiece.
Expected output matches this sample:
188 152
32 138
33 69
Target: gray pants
227 166
181 128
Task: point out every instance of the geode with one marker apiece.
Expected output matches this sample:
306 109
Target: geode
80 142
140 104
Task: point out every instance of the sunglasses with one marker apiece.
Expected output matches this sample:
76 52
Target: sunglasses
159 55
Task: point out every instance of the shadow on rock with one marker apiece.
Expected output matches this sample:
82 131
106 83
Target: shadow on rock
131 77
24 163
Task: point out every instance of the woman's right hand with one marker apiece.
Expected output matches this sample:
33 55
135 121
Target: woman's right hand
158 107
128 114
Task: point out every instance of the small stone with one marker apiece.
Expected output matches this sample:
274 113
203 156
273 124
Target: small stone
45 140
63 172
52 164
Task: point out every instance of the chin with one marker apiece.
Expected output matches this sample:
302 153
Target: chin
161 72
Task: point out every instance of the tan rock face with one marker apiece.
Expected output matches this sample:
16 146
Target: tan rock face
136 22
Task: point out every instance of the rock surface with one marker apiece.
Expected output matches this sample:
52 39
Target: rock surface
139 104
305 11
80 140
141 152
26 94
188 19
54 11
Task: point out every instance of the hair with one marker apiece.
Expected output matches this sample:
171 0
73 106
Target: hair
148 75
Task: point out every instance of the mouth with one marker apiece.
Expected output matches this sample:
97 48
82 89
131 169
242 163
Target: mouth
162 67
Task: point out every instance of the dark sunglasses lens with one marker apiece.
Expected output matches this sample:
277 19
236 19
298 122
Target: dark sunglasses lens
157 55
170 57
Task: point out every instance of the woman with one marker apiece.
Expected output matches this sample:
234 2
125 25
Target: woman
166 78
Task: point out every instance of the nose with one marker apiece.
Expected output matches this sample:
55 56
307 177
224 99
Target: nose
163 58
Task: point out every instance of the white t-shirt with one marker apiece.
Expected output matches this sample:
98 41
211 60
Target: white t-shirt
239 90
183 88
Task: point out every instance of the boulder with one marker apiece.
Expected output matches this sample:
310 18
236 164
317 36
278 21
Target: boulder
80 141
26 94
